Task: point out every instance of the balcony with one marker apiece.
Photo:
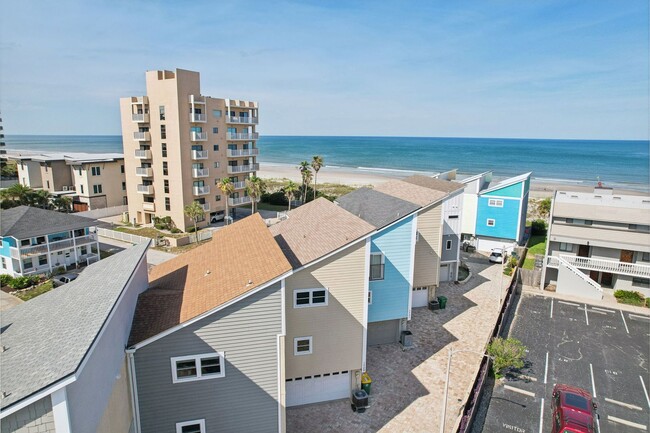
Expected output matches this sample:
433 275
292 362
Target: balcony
142 154
84 240
140 118
198 136
145 189
196 99
140 100
197 118
242 136
234 169
142 136
242 120
601 265
239 201
199 154
205 206
239 185
144 171
148 206
200 172
54 246
201 190
235 153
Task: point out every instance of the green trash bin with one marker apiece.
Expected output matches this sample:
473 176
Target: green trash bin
443 302
366 382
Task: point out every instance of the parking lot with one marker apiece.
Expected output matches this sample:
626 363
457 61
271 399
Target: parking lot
602 350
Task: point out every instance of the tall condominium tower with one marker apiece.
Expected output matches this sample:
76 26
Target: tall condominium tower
178 144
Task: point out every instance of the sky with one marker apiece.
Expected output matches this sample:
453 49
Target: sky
570 69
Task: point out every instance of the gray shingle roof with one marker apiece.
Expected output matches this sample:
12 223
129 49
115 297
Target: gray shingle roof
375 207
435 184
25 222
48 337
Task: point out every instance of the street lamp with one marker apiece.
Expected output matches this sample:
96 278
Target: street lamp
444 401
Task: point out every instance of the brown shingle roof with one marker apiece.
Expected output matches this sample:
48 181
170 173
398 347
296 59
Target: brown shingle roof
432 183
315 230
238 259
419 195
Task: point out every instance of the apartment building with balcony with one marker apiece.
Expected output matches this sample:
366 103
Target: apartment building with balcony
38 241
597 243
179 143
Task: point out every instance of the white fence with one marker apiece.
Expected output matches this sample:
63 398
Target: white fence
121 236
104 212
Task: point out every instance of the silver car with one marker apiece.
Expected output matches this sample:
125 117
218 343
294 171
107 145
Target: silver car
497 255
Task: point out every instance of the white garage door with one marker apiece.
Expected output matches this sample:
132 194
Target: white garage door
420 297
317 389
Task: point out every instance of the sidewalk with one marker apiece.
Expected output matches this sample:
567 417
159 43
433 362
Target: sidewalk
8 301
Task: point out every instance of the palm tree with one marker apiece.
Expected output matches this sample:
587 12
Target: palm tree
227 188
316 164
38 198
308 176
289 191
194 211
255 188
17 193
305 173
62 203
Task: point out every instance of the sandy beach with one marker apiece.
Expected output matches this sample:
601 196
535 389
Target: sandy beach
360 177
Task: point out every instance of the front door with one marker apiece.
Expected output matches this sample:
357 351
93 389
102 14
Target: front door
626 256
594 275
583 250
606 279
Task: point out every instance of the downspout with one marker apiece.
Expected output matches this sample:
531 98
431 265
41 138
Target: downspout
133 389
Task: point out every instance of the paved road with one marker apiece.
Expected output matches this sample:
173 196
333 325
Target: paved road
602 350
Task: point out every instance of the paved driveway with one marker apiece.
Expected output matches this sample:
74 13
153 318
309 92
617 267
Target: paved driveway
603 350
408 386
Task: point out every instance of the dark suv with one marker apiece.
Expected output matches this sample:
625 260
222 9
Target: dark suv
573 410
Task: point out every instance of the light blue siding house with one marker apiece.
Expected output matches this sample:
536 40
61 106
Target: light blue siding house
500 211
391 260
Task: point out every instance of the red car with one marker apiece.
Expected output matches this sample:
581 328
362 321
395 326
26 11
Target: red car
573 410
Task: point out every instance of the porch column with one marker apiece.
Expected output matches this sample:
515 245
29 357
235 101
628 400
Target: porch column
74 248
49 256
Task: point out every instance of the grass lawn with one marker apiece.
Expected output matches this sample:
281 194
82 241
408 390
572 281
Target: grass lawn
28 294
271 207
536 245
148 232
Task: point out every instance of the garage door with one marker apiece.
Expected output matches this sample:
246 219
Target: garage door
444 272
420 296
329 386
383 332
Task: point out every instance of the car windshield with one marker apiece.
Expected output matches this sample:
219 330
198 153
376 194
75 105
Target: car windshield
496 254
576 401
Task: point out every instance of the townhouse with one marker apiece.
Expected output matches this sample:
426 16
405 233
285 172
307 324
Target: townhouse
37 241
598 242
63 362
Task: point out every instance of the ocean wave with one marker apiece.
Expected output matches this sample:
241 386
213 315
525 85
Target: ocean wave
550 179
394 170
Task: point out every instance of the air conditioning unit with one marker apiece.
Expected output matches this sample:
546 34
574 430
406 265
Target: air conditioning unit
71 188
359 401
65 188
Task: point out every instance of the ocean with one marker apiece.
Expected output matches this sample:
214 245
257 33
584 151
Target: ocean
622 164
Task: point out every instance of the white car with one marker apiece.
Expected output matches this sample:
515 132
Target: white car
497 255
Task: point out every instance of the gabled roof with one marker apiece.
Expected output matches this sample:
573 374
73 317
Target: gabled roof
507 182
238 259
410 192
25 222
435 184
317 229
48 337
375 207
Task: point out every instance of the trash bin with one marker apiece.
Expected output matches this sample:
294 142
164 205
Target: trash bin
366 382
443 302
434 305
406 338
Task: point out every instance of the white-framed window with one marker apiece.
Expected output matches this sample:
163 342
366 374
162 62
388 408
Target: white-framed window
491 222
302 346
495 202
564 246
369 297
197 367
448 245
377 263
310 297
196 426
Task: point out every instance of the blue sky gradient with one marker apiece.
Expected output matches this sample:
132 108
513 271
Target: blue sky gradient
502 68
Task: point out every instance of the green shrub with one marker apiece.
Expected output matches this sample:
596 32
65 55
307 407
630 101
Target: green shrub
630 297
19 283
176 230
544 206
159 226
5 279
506 353
276 198
507 271
538 227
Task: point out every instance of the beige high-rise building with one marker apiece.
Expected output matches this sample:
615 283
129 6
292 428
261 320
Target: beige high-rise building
179 143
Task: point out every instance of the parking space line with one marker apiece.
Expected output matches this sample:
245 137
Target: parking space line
524 376
603 309
520 391
546 368
593 384
598 422
541 417
551 308
595 311
586 315
645 390
569 303
627 423
620 403
624 322
641 318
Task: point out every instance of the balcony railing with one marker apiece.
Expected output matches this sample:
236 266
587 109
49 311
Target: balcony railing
233 169
205 206
245 120
142 136
148 206
601 265
199 154
239 185
235 153
239 200
243 136
145 189
144 171
197 118
83 240
142 154
140 118
198 136
201 190
200 172
55 246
